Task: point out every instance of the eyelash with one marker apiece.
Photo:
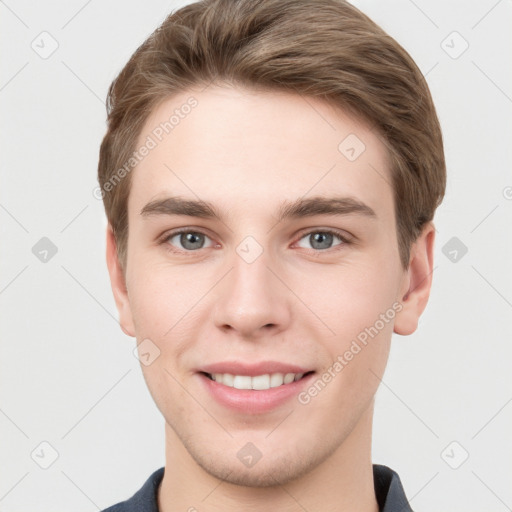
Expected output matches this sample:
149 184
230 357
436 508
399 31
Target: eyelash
344 239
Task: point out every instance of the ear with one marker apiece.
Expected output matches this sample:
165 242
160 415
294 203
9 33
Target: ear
118 284
415 289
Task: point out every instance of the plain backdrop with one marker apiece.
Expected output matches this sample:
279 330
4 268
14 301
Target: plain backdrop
68 377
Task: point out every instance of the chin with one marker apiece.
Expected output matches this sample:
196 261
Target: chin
270 471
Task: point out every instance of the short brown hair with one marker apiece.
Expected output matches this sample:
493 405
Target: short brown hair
326 49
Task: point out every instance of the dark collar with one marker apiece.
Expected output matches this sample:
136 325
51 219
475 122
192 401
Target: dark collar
388 490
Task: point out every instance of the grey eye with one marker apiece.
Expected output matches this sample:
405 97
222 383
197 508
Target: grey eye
320 240
189 240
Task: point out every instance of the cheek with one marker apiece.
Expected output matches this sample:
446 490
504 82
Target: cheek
351 298
361 312
163 297
165 302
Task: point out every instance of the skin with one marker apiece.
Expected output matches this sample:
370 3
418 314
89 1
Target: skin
246 152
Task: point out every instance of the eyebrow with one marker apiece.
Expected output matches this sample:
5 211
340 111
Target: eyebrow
299 208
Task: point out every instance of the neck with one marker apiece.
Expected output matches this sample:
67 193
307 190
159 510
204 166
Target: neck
342 483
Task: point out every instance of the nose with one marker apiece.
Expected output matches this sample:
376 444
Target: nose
252 300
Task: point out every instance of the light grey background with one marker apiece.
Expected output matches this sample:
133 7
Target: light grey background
68 375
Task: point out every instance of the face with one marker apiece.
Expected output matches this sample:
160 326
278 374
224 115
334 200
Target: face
262 253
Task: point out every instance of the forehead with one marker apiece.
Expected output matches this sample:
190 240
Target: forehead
242 148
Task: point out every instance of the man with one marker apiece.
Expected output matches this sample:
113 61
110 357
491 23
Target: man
270 174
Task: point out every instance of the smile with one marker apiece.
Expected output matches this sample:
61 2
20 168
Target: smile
256 382
256 388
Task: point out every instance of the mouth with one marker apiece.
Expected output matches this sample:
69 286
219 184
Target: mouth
256 382
253 388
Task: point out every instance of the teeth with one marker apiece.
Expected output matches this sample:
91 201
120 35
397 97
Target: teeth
227 380
242 382
261 382
289 377
276 379
258 382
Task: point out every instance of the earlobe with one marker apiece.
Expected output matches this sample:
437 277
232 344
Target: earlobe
417 282
118 284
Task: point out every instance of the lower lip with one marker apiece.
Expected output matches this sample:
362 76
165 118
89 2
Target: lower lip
250 401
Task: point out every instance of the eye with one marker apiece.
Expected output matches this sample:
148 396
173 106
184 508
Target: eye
322 240
186 240
189 240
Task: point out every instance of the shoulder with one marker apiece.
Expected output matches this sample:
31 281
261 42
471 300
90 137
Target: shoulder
144 500
389 490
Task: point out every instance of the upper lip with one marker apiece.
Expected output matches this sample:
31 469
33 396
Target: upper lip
252 369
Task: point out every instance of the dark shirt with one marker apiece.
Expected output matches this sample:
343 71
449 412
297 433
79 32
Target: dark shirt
388 490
